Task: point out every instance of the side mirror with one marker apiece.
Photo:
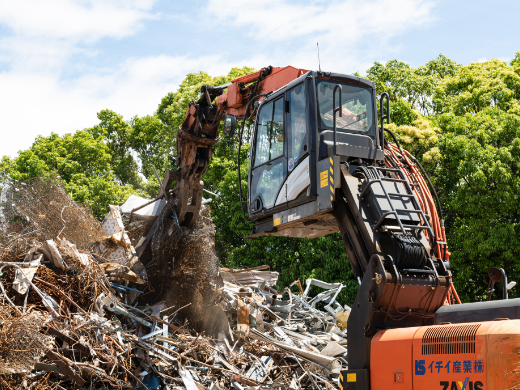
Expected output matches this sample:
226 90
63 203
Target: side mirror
230 124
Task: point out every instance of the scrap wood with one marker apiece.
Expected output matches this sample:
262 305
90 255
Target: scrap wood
122 271
65 367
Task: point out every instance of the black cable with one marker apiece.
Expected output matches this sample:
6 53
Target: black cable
238 153
431 188
395 139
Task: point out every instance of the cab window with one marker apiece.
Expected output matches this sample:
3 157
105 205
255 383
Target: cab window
269 133
296 125
270 163
357 107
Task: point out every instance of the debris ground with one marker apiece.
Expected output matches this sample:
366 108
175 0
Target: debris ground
80 309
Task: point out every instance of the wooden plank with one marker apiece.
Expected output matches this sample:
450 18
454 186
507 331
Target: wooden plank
64 366
72 343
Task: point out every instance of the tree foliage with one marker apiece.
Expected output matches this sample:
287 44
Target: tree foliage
478 86
82 160
414 86
479 180
462 122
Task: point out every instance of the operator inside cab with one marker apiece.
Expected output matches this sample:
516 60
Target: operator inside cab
297 120
357 113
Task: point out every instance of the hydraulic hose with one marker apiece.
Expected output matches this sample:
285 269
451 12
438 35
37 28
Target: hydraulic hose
423 171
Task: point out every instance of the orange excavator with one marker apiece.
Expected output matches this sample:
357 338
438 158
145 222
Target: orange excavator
320 163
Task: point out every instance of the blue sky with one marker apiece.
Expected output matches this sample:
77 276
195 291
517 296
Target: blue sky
61 61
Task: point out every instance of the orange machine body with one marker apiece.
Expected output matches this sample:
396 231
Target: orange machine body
235 99
473 356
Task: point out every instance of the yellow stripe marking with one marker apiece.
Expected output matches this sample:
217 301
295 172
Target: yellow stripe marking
331 189
331 171
331 198
331 161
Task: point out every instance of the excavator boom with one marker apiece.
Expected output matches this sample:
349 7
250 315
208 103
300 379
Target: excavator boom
200 130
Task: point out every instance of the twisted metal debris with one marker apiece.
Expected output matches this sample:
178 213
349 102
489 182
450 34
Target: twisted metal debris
89 319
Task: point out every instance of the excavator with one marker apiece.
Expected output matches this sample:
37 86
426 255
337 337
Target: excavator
321 162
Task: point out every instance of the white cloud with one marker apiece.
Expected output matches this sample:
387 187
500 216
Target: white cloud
47 40
40 103
346 21
348 31
79 20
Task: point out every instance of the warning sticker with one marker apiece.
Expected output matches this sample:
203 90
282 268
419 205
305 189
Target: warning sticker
324 179
293 217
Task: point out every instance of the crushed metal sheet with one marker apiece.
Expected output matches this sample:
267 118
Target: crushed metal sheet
84 314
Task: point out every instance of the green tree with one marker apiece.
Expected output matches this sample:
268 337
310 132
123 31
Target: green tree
153 143
81 160
414 86
478 86
478 178
117 133
515 61
420 137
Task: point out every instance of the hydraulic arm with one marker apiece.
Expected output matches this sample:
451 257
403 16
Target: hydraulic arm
200 131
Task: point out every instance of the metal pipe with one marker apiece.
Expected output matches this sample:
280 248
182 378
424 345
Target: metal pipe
112 306
223 86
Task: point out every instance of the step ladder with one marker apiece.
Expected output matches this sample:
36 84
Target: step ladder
380 178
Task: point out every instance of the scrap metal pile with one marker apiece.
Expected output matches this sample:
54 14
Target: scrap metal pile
79 310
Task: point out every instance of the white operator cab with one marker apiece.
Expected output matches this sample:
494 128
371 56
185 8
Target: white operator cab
294 160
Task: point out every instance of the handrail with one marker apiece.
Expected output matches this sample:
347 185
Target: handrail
335 110
382 117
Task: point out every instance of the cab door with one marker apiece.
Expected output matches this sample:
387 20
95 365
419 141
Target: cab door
269 157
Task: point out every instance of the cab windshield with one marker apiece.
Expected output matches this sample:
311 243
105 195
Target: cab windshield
357 106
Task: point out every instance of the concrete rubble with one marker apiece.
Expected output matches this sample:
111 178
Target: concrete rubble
87 318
